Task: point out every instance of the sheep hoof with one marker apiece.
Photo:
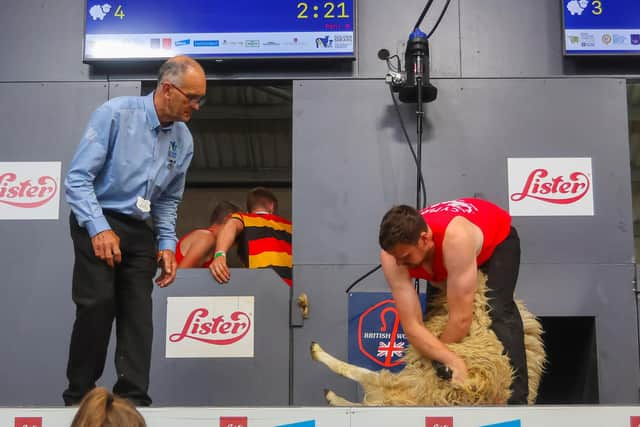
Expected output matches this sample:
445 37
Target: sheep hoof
335 400
315 349
329 395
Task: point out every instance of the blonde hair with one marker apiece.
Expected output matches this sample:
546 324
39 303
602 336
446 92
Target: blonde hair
99 408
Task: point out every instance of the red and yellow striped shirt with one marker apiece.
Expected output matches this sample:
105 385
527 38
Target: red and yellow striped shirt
266 242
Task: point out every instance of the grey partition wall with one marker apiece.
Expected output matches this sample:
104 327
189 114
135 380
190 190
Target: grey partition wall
262 379
353 165
36 255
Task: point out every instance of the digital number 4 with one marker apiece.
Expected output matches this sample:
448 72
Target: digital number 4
119 12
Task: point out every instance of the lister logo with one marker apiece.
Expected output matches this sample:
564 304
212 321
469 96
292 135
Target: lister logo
233 422
550 186
28 422
210 326
29 190
635 421
214 329
25 194
439 421
560 190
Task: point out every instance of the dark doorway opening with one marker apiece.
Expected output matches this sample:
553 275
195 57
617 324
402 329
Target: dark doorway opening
571 374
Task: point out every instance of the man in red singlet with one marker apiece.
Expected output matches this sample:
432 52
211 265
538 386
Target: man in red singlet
445 244
195 249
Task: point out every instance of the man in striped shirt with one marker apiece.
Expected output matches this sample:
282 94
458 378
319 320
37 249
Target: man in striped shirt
264 239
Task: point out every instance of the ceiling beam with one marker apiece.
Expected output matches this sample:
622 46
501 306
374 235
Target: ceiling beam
239 112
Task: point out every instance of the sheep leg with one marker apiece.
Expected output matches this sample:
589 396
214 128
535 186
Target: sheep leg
355 373
335 400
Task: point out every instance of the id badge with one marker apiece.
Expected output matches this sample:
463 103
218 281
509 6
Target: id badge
143 204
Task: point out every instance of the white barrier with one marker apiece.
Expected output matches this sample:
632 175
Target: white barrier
537 416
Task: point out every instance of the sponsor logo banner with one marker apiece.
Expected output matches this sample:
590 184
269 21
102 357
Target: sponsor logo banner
310 423
206 43
325 42
376 339
210 327
550 186
514 423
439 421
233 422
28 422
29 190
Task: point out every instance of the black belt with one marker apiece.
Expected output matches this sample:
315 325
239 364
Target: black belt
122 217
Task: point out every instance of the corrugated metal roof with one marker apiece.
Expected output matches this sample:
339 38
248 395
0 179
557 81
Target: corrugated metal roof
242 135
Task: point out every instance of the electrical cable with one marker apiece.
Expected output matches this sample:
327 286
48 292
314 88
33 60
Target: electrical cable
397 68
422 15
364 276
413 152
446 6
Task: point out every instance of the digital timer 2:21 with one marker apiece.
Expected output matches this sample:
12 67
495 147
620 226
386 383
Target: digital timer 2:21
330 10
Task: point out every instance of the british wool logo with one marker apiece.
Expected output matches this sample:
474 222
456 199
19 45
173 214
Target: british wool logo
376 339
379 325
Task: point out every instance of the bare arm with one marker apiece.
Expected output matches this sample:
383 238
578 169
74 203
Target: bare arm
410 313
228 234
226 237
199 250
459 252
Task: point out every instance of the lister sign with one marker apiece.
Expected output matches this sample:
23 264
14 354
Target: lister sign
550 187
29 190
210 327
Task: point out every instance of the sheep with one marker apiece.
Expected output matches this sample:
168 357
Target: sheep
490 373
99 12
576 7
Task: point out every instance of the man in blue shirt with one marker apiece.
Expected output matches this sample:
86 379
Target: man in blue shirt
128 170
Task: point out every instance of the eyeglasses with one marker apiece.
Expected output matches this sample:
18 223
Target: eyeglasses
195 100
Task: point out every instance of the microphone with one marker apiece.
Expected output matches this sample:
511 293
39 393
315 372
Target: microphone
383 54
393 78
416 60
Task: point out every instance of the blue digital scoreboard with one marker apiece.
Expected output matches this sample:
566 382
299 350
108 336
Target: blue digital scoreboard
216 29
601 27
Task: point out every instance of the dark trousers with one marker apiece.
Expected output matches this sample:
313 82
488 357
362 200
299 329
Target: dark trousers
502 273
102 294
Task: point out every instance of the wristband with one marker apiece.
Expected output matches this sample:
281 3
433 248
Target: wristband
219 254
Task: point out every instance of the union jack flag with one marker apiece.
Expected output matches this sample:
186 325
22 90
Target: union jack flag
392 348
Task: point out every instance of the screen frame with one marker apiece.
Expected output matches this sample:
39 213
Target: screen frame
573 53
249 58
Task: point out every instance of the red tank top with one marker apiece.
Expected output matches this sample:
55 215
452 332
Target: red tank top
180 255
493 221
